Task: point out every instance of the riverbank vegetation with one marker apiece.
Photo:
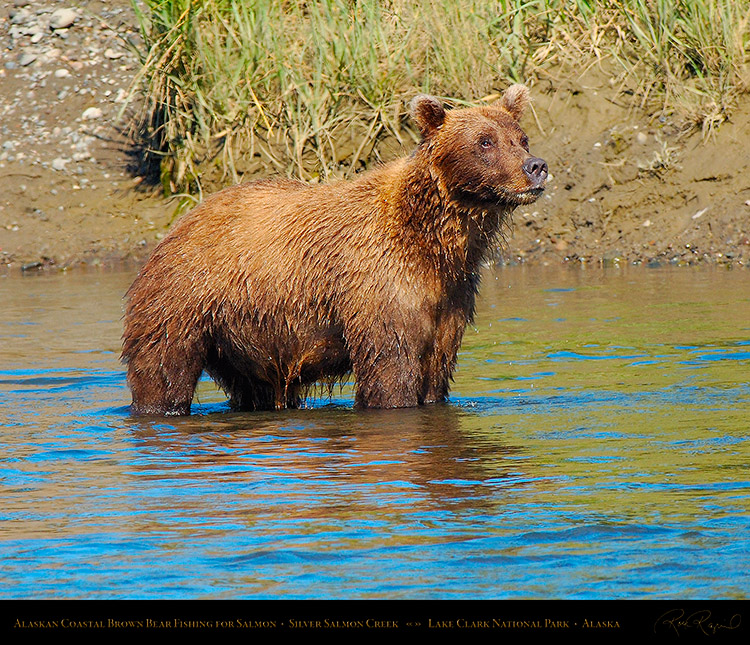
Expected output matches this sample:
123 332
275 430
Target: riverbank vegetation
320 88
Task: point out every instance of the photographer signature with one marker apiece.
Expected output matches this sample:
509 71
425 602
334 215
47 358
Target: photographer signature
679 621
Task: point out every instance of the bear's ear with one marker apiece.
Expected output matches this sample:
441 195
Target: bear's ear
515 100
428 112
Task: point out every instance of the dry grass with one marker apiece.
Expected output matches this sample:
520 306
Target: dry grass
318 88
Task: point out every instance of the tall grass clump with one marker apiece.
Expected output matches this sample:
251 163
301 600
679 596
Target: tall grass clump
315 88
312 88
689 55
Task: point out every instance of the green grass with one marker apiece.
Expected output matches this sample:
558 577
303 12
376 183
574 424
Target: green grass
319 88
692 54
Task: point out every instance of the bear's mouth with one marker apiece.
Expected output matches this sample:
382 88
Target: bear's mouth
498 196
527 196
519 197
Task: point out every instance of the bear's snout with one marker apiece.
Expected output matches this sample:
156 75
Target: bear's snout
536 170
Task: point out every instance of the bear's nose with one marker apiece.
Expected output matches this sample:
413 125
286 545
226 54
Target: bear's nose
536 170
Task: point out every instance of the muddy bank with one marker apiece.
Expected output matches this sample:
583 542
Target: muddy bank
628 187
625 188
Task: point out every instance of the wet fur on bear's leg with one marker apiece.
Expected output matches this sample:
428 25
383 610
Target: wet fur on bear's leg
164 387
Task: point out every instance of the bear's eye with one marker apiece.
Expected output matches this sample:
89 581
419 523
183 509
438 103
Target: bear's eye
486 143
525 143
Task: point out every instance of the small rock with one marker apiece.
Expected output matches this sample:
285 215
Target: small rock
59 163
19 17
646 223
641 138
113 54
27 59
92 113
62 73
62 18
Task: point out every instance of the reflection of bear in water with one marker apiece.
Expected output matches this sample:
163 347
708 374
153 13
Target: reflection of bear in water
274 285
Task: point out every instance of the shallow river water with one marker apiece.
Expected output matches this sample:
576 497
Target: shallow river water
597 445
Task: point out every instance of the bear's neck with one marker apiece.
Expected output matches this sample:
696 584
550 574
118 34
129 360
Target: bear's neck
454 236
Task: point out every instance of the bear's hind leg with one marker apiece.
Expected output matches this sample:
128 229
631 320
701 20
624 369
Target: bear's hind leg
163 385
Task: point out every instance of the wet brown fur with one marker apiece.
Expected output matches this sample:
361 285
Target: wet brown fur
273 286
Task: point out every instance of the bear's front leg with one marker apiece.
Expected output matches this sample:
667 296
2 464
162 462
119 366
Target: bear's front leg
439 360
387 375
389 386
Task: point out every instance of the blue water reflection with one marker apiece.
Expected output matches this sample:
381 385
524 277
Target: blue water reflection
603 454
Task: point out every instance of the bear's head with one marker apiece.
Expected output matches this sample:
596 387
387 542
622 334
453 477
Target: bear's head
481 154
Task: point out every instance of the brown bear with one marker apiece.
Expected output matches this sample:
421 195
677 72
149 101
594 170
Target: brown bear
275 285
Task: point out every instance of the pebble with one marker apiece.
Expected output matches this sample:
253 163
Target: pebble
59 163
26 59
62 18
113 54
641 138
92 113
19 17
